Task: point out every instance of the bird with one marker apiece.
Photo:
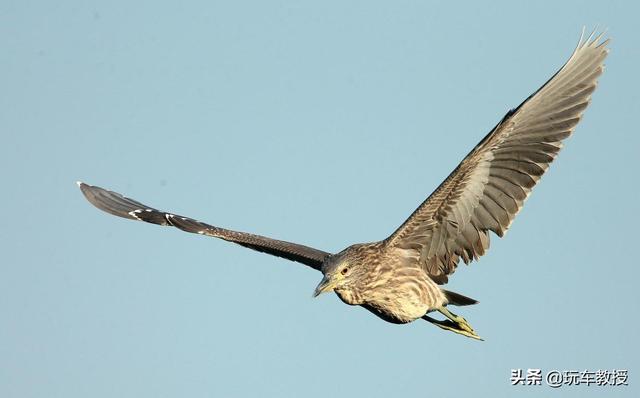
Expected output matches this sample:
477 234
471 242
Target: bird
400 278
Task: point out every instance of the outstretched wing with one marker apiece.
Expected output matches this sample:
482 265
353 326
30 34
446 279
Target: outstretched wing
488 188
118 205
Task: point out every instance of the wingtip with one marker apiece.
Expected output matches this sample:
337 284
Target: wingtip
80 183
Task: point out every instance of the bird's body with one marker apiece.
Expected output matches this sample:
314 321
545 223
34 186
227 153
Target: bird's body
392 286
399 278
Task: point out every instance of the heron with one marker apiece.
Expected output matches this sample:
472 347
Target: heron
400 278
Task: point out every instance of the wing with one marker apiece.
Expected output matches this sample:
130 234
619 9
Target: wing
118 205
486 191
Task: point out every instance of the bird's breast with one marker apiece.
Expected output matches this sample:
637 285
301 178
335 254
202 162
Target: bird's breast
403 295
349 296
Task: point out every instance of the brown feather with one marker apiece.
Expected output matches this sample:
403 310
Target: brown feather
486 191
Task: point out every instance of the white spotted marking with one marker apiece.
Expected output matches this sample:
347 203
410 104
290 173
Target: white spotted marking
134 212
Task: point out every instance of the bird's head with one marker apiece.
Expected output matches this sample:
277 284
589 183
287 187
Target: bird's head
343 273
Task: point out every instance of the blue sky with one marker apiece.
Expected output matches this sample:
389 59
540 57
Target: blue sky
323 123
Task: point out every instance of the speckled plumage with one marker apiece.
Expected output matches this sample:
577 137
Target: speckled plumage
397 278
388 284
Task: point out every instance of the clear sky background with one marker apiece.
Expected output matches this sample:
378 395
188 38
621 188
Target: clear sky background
324 123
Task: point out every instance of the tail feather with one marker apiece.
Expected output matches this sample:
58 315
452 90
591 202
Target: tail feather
458 299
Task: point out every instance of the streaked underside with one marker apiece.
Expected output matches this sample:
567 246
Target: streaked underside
397 278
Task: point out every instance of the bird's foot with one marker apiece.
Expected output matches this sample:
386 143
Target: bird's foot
453 327
463 324
460 321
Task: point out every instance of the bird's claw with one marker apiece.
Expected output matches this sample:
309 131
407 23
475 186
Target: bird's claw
463 324
454 327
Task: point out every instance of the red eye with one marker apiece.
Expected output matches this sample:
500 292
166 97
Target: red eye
344 271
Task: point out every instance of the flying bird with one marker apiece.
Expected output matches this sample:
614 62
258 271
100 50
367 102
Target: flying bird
399 278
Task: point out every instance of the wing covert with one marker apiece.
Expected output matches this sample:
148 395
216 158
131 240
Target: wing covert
488 188
121 206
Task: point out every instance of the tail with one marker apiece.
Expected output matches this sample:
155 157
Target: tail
458 299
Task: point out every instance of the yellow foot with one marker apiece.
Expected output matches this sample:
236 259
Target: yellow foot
463 324
453 327
460 321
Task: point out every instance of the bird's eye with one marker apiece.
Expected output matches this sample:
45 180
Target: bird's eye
344 271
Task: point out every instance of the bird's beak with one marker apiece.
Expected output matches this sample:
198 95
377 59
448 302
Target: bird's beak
325 285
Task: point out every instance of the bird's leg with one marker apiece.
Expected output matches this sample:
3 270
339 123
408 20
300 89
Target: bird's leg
452 327
462 323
